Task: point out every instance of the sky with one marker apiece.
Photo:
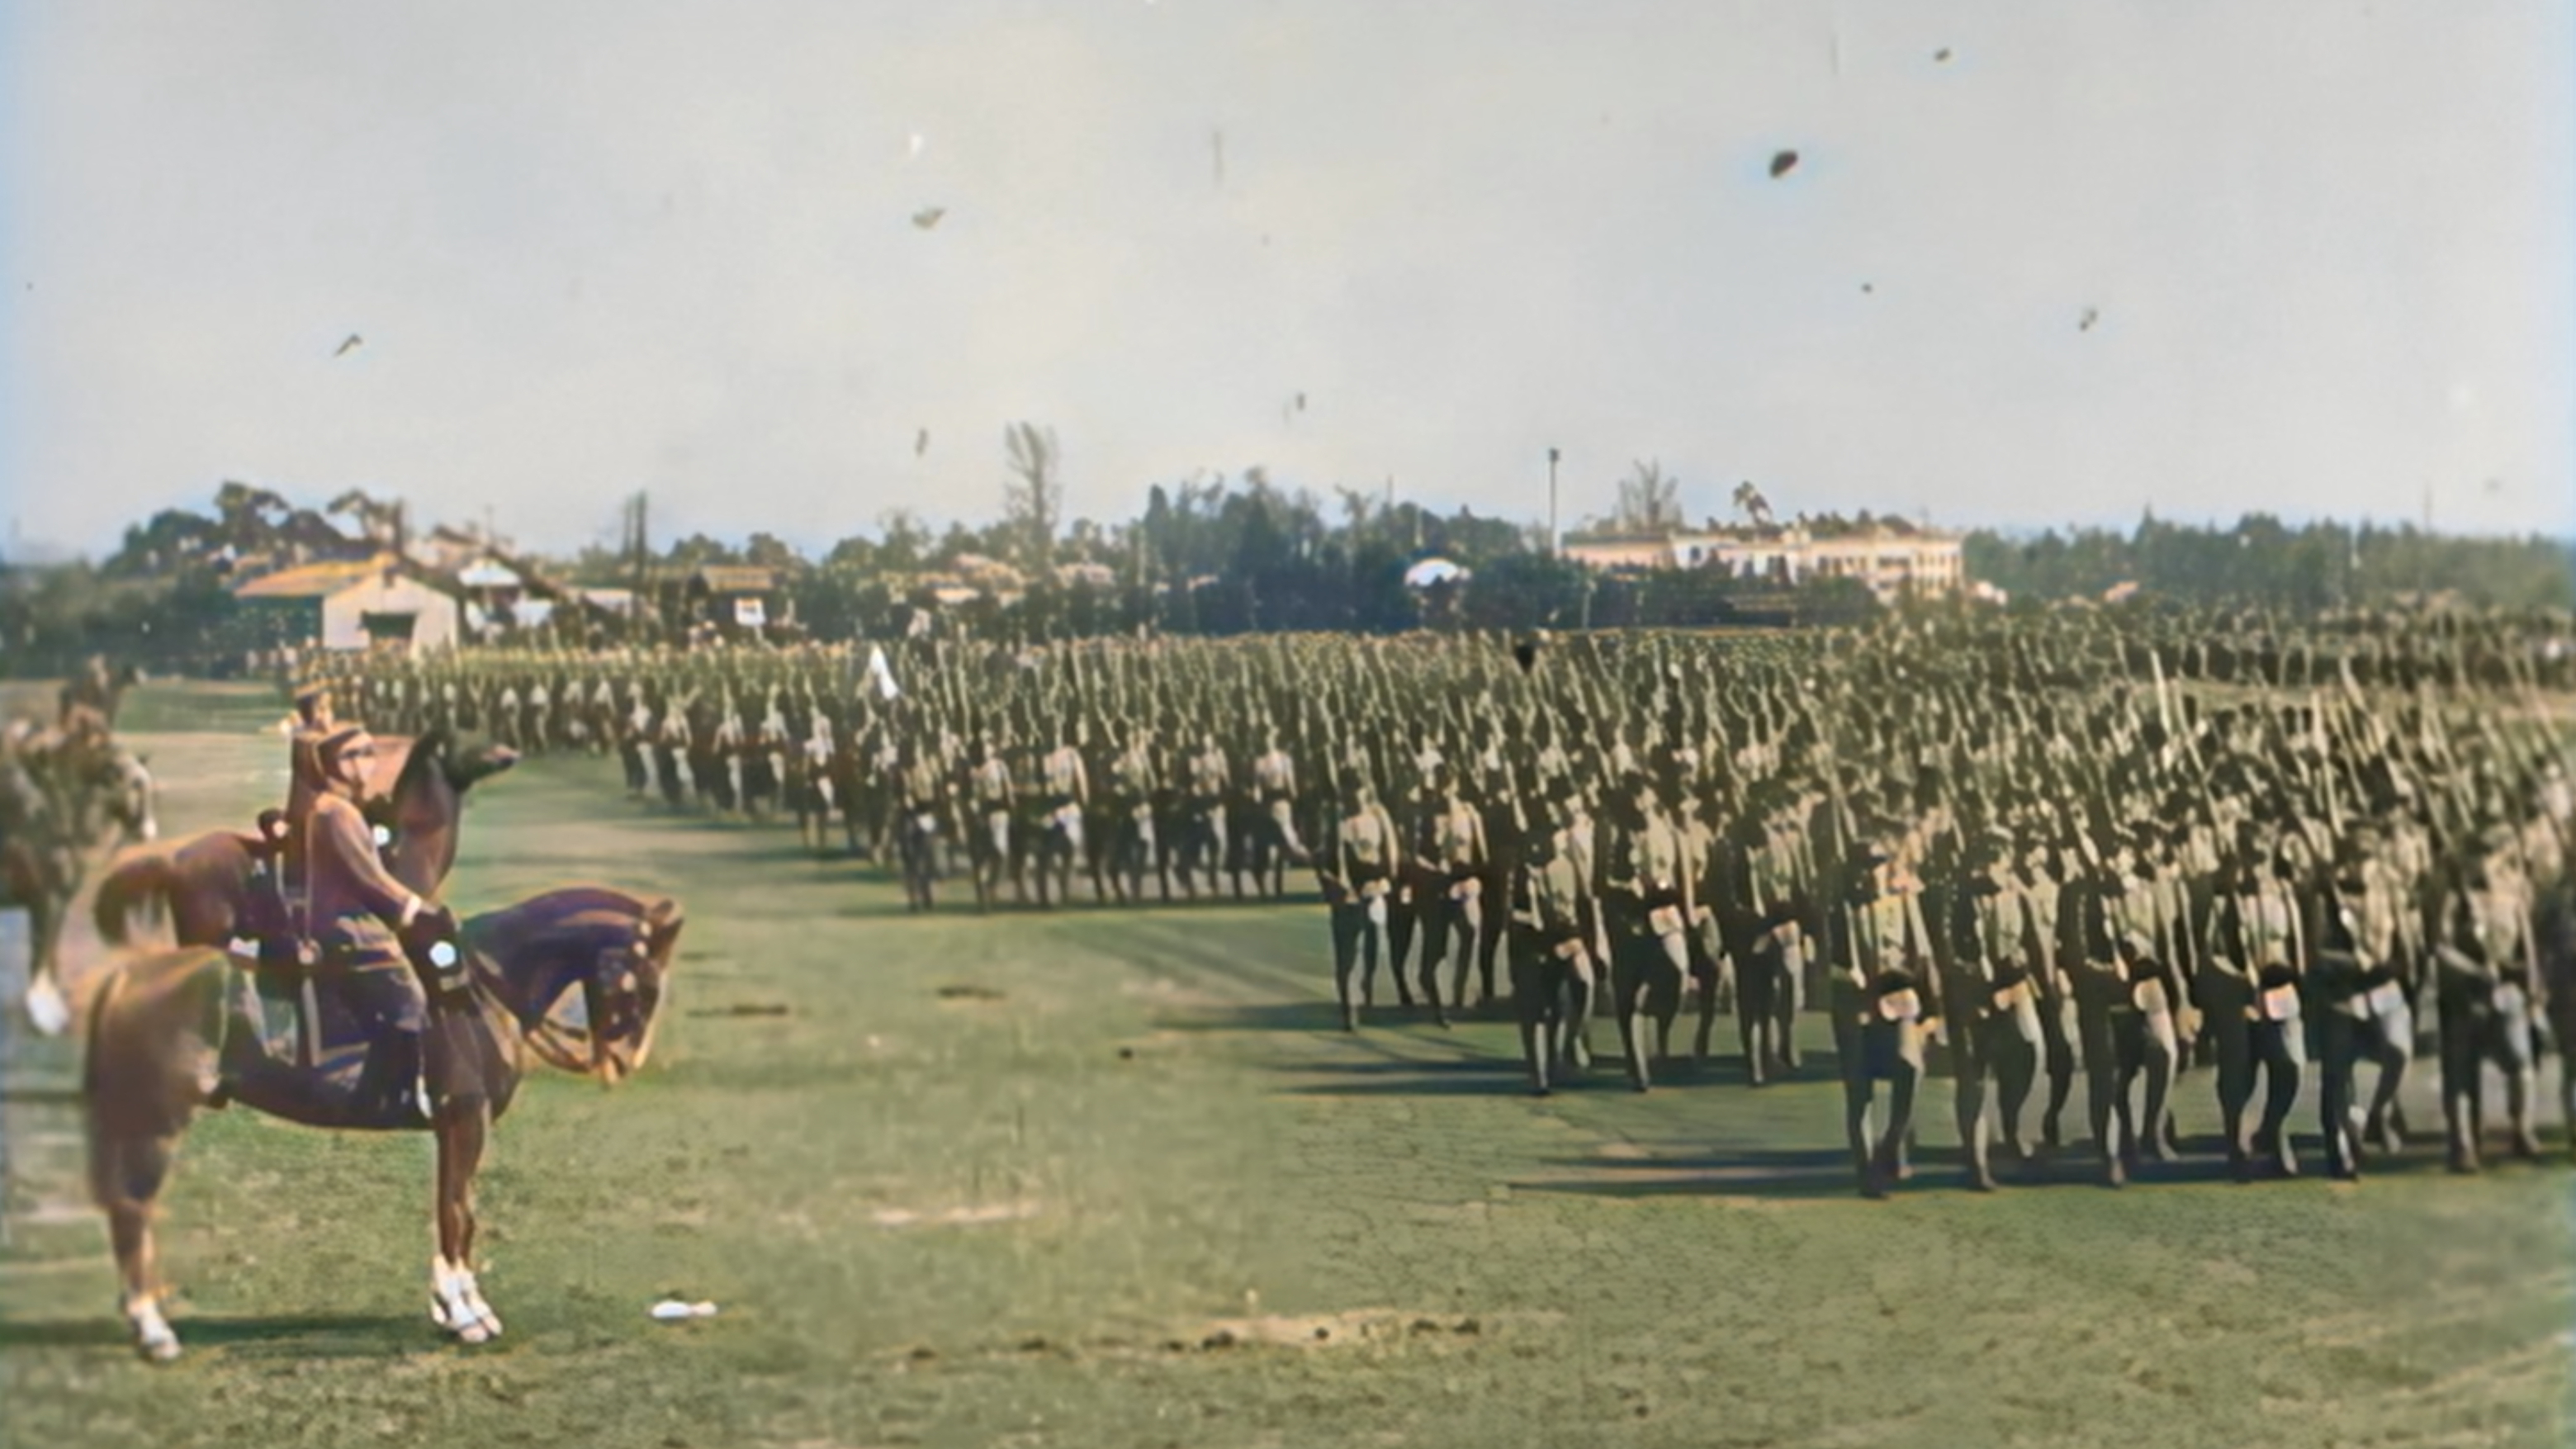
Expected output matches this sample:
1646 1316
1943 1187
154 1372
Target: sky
2034 265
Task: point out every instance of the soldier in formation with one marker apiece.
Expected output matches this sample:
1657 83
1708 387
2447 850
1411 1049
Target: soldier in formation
2129 846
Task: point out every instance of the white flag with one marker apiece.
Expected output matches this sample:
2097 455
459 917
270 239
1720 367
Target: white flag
878 671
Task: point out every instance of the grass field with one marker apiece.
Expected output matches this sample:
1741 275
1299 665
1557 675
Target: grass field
1112 1179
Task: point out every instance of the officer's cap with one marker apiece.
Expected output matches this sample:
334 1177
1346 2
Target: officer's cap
342 739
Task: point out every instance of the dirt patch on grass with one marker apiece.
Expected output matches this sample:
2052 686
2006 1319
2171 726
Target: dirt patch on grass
1354 1326
1002 1212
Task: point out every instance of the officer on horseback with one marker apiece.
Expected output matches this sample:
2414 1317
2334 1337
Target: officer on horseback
360 920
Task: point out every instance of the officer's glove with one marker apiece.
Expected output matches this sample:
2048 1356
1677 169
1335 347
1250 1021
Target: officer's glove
435 945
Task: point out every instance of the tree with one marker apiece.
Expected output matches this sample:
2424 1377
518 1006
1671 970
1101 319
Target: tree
1649 500
1033 499
249 516
1750 502
379 520
907 539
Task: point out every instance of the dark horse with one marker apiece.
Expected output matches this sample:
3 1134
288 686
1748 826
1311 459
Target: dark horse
210 888
172 1031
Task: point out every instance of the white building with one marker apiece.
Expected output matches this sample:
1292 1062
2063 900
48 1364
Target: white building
354 605
1886 557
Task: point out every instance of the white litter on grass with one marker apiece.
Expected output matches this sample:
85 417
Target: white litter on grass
672 1310
988 1213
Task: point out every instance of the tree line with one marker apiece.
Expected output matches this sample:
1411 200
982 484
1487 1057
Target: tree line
1216 555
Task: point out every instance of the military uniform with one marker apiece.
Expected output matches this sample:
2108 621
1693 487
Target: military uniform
1647 903
1358 883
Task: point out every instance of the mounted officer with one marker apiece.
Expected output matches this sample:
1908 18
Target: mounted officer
359 919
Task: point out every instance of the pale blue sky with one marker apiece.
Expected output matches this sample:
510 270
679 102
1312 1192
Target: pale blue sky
600 246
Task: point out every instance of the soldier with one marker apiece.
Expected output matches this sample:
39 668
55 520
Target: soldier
670 743
991 796
1062 790
1134 783
2488 988
2249 993
1202 844
1274 839
1985 997
1449 859
1555 920
1758 916
2364 990
1648 903
1873 944
922 793
632 738
815 790
1357 883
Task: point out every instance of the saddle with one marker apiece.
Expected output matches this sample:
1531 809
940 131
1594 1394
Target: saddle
296 1043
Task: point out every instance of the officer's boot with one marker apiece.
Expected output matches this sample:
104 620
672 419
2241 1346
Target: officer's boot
395 1089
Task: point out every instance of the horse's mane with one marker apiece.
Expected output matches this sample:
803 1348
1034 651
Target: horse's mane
431 744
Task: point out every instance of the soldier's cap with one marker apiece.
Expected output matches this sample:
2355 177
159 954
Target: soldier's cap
311 690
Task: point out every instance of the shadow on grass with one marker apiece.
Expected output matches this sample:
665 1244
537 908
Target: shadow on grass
1826 1171
301 1335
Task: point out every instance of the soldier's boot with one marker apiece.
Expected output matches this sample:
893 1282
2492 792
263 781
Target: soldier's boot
1973 1145
1574 1021
1856 1131
2526 1137
2159 1133
1890 1162
2383 1134
1632 1042
2281 1094
1538 1044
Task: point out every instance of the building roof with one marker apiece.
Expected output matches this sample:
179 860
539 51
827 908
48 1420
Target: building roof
487 573
736 578
313 581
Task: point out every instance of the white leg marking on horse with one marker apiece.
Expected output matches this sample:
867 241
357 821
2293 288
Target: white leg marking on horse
489 1321
456 1303
46 1009
152 1332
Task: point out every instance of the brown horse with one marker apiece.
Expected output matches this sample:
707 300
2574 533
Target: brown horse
211 887
173 1031
58 795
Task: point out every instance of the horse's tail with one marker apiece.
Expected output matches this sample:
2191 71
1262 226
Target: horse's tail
131 1118
145 881
106 1162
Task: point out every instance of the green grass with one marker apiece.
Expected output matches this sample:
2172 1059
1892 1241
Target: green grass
1154 1140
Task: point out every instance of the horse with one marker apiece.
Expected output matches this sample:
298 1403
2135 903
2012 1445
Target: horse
213 887
177 1030
54 815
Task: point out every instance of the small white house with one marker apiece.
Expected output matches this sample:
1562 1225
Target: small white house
354 606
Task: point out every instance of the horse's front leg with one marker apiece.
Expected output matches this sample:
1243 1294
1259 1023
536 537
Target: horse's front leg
456 1300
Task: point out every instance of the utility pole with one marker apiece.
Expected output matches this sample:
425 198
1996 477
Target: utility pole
1555 543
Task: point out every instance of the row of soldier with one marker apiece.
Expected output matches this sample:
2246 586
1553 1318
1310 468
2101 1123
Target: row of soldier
1928 742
